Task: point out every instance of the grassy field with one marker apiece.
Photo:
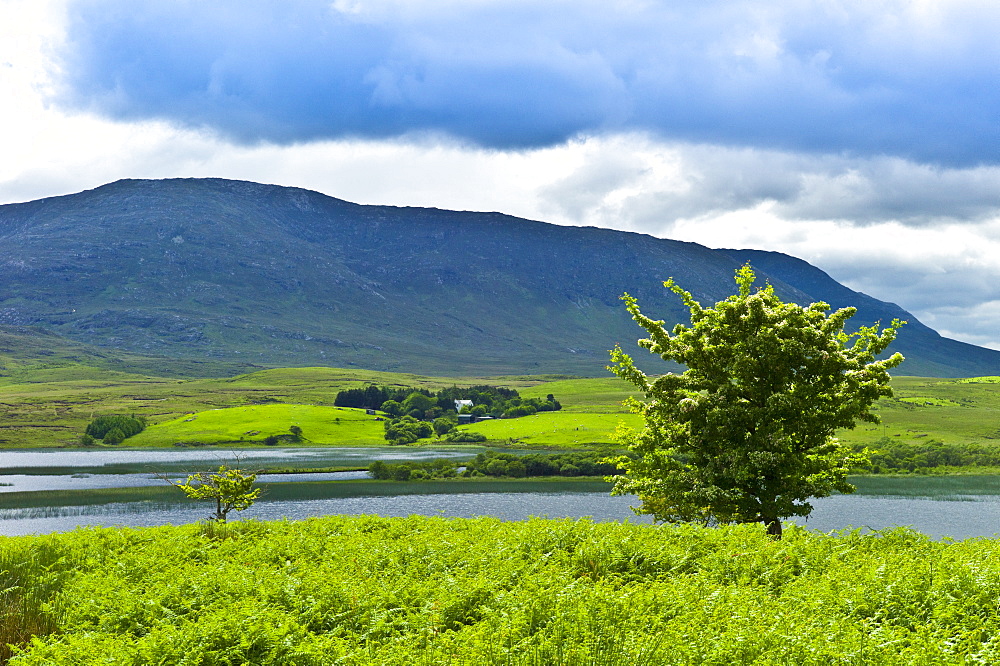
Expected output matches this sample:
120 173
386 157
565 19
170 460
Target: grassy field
30 355
596 396
591 410
953 411
251 424
394 591
567 429
51 407
339 426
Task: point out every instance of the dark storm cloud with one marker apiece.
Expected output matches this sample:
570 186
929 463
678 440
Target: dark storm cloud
853 78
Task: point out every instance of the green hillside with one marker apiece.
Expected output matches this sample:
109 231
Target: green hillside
253 424
40 410
953 411
556 429
34 355
52 406
592 395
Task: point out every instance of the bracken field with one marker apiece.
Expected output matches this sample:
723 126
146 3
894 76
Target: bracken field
371 590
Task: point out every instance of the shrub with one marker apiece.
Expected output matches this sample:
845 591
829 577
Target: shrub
414 471
442 426
516 469
392 408
464 436
127 425
496 468
115 436
520 410
407 430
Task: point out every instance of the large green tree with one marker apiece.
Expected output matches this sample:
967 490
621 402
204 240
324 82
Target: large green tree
745 433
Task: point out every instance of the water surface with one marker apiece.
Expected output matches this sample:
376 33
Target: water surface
52 491
112 461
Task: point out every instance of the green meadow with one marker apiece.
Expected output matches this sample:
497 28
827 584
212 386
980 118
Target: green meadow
342 426
951 411
250 424
52 405
47 405
601 395
556 429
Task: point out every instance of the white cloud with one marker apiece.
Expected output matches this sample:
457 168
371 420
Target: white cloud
925 237
672 181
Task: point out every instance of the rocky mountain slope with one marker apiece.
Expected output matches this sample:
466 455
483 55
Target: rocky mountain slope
209 269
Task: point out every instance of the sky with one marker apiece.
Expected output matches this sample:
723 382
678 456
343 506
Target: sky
860 135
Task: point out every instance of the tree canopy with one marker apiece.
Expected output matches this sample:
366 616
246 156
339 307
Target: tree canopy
115 428
745 433
498 401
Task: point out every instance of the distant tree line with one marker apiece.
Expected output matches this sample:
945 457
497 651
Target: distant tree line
409 429
416 413
887 457
413 471
422 404
928 456
497 464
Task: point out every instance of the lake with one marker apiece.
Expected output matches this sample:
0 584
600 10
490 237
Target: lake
53 491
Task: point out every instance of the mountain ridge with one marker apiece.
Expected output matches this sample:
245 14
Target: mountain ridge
242 272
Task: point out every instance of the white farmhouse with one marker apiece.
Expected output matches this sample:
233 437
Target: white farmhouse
459 404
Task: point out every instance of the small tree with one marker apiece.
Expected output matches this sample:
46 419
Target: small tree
443 425
231 489
392 408
745 434
406 430
419 403
114 436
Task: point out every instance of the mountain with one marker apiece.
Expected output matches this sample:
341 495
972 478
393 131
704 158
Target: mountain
239 272
928 353
29 354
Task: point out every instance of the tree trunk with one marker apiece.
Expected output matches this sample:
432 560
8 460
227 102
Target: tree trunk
773 527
